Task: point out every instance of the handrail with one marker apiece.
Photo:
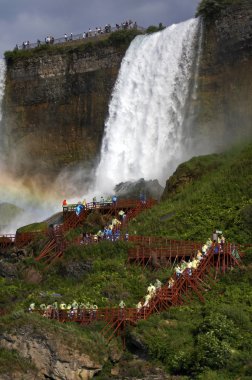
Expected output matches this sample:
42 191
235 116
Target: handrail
72 37
163 241
127 203
173 251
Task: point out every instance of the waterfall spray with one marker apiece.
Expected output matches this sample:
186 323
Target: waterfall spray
143 133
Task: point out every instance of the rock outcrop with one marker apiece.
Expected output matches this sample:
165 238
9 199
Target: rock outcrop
52 358
132 190
222 112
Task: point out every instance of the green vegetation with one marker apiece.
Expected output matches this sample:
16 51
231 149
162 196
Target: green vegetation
211 8
18 363
154 28
197 341
34 227
96 274
216 195
118 39
8 212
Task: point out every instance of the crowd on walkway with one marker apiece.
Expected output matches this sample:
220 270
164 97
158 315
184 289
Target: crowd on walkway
68 37
84 205
79 310
111 231
72 310
187 267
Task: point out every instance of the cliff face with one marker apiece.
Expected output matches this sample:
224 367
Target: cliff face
223 108
50 356
55 106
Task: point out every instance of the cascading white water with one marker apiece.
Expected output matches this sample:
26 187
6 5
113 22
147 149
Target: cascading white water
143 133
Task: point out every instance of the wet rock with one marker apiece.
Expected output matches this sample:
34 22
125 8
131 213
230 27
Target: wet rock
132 190
136 345
32 276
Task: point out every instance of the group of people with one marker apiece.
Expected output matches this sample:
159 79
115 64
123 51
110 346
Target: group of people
187 267
26 44
129 24
72 310
110 232
111 200
151 292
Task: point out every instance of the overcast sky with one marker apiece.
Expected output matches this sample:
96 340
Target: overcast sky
22 20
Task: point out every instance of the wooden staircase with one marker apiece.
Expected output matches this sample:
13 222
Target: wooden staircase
185 287
56 244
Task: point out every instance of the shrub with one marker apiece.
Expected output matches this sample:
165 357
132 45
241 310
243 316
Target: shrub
219 325
123 37
154 28
211 352
211 8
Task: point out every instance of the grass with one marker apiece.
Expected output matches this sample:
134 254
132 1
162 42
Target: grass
216 198
18 363
34 227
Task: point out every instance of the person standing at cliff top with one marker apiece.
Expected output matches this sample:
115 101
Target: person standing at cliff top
65 37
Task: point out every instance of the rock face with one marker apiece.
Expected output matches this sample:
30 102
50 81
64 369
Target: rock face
222 110
132 190
52 359
54 108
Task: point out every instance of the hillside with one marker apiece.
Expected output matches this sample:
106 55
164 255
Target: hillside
204 194
194 341
8 212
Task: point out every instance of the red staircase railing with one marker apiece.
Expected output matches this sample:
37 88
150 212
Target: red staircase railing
174 251
184 287
56 244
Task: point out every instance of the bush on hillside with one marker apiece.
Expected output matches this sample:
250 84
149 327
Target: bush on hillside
123 37
211 8
154 28
246 214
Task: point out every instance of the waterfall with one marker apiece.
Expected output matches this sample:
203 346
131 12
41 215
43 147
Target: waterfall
143 135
